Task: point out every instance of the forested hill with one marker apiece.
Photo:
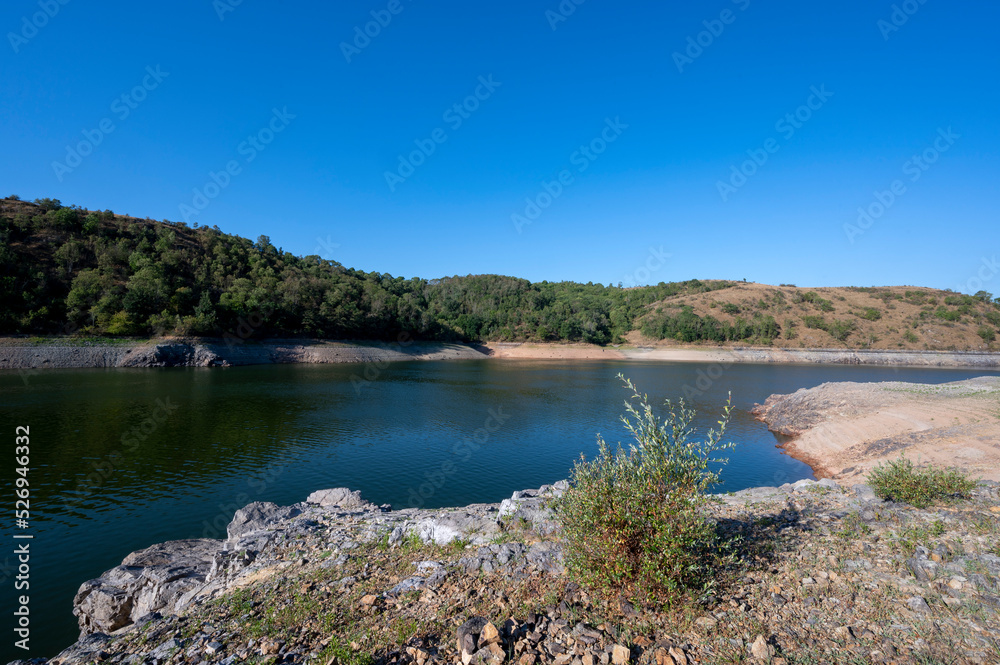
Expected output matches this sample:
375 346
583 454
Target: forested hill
65 270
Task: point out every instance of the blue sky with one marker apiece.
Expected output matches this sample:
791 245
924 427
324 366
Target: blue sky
642 110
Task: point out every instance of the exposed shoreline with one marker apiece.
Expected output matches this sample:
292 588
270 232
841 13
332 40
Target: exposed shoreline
842 430
53 353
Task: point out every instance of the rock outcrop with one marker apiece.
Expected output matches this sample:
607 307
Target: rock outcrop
168 577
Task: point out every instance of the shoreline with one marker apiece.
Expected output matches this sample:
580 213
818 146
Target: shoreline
52 353
842 430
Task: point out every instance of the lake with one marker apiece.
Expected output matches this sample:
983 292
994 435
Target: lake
122 459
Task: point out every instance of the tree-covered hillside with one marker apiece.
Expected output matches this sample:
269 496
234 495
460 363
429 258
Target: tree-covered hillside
65 270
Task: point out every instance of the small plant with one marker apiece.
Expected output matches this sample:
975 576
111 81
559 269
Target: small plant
987 333
910 337
899 480
634 518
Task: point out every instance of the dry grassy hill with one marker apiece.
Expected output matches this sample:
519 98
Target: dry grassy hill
894 317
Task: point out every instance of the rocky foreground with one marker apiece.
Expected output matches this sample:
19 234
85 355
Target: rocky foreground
818 574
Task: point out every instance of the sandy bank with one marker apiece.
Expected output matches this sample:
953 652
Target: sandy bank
844 429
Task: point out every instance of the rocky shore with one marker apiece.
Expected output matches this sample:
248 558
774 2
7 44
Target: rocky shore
24 355
844 429
53 354
821 573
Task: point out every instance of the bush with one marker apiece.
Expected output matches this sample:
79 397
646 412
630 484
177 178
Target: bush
871 314
899 480
987 333
841 330
634 520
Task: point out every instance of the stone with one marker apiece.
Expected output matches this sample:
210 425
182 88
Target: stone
369 600
620 654
340 497
844 633
409 584
258 516
761 650
866 493
527 659
213 647
468 637
918 604
489 634
161 578
680 658
708 623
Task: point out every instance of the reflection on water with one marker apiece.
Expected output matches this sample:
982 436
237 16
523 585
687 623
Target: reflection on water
122 459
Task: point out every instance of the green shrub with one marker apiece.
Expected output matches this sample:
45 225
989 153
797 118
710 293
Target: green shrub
841 330
634 519
910 336
899 480
987 333
871 314
815 322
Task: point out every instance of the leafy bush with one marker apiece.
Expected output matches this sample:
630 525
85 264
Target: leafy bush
910 336
634 519
943 312
815 322
871 314
841 330
899 480
987 333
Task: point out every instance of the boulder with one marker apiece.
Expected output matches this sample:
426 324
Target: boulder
258 516
161 578
340 497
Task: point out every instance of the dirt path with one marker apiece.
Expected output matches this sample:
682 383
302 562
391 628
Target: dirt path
844 429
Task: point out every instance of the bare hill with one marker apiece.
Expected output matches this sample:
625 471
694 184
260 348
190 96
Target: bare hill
891 317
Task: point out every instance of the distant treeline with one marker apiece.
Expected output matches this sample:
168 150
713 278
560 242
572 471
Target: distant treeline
68 270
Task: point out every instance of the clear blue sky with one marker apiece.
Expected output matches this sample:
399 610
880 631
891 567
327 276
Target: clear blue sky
320 186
